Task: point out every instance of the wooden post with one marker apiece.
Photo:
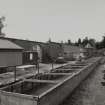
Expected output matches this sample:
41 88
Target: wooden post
52 63
14 73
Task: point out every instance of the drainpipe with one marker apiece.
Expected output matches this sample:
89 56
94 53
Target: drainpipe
52 66
38 67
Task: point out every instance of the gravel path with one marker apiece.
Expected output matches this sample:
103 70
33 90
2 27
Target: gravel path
90 91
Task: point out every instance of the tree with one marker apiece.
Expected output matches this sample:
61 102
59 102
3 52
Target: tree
85 41
69 42
92 42
102 43
79 41
61 41
76 43
2 25
98 45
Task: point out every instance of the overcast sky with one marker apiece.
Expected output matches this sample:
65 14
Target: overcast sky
56 19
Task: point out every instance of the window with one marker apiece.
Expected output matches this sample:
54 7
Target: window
65 53
31 56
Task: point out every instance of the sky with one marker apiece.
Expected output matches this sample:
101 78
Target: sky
59 20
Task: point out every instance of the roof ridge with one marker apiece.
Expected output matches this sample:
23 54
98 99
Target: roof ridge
6 44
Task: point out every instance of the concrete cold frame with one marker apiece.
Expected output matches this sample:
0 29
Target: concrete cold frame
50 93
